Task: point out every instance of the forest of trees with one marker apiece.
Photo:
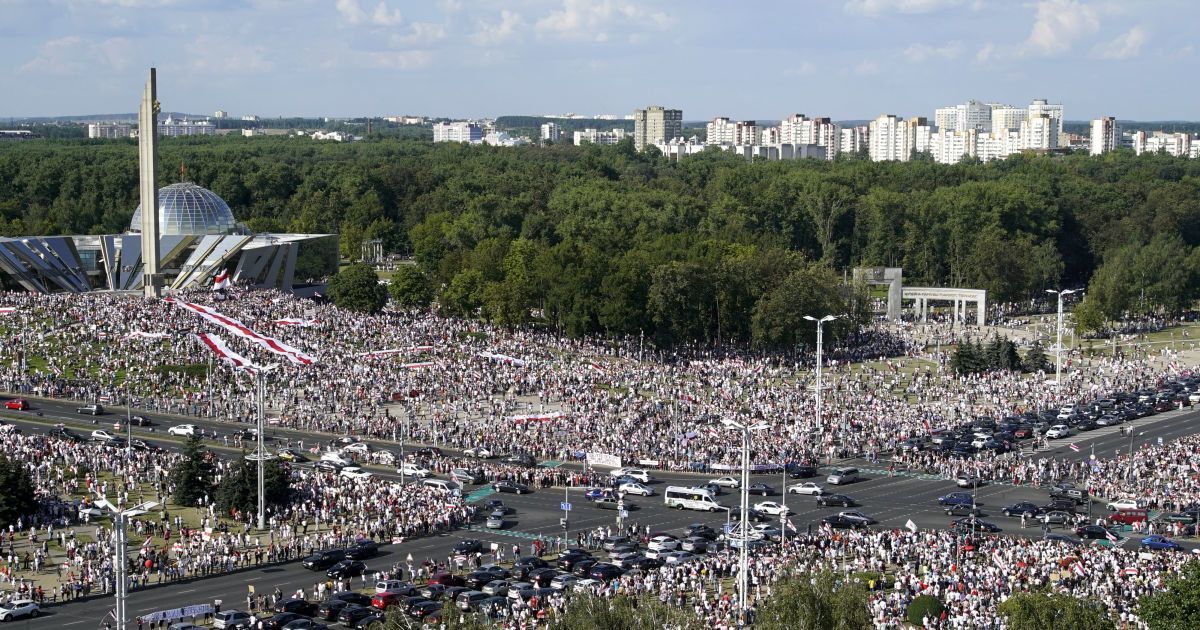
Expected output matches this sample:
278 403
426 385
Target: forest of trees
607 240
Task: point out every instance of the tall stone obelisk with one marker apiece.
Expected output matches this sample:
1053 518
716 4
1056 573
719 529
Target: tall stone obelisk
147 166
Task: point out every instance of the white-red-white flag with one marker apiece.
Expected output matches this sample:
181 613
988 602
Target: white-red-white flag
221 281
1074 447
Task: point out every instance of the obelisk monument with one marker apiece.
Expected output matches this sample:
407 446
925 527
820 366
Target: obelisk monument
147 165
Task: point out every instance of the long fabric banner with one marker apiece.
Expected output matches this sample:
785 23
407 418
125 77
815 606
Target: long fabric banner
218 347
241 330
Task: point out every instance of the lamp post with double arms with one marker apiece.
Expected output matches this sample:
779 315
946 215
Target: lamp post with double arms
742 532
820 342
260 454
1058 343
120 560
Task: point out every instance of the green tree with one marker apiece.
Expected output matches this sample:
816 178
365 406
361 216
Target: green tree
1177 605
238 489
815 602
1035 358
410 288
17 494
192 476
464 295
922 607
585 611
1036 611
356 288
812 290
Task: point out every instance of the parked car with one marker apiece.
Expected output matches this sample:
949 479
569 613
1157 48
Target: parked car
231 619
346 569
772 508
183 430
1160 543
90 410
362 550
726 482
18 608
956 498
16 404
1124 504
324 559
505 485
840 500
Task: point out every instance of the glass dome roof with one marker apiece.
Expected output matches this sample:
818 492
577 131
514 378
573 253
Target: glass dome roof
186 208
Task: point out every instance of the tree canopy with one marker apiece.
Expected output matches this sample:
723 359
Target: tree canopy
192 476
17 497
1176 606
357 288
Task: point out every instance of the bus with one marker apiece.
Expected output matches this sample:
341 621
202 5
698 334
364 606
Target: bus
691 498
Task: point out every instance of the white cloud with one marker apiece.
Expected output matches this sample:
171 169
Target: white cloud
922 52
400 59
875 8
1126 46
806 68
593 19
985 52
420 34
138 4
866 67
220 55
353 13
1059 23
500 32
74 54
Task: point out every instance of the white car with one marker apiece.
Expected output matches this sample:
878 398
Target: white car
100 435
662 543
632 473
1124 504
336 457
358 448
810 488
410 469
772 508
1058 431
479 451
185 430
635 488
677 557
726 482
585 585
19 608
354 472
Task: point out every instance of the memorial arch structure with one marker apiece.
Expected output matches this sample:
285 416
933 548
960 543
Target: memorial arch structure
893 279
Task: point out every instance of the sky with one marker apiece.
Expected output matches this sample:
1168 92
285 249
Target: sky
746 59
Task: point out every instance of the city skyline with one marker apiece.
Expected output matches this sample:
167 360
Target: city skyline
532 57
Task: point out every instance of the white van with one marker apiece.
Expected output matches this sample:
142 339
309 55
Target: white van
441 484
842 476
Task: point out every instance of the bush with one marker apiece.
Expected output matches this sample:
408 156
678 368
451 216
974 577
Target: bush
924 606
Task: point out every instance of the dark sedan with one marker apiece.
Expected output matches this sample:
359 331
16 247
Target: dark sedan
362 550
606 572
298 606
1023 508
351 614
421 611
837 521
280 620
469 545
514 487
346 569
963 509
842 500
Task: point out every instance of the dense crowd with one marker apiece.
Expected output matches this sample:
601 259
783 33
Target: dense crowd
73 539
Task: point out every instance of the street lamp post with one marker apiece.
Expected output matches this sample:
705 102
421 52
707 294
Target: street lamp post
120 560
1058 343
260 454
743 532
820 343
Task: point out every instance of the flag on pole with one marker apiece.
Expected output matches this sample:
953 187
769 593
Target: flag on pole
1077 568
221 282
1074 447
912 527
1111 536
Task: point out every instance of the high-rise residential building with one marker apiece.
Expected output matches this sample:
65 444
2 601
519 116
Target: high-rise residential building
221 114
949 147
595 136
1039 132
1176 144
108 131
1041 106
797 129
969 115
1104 135
551 132
718 131
997 145
920 134
854 139
461 131
769 136
890 139
656 125
1007 117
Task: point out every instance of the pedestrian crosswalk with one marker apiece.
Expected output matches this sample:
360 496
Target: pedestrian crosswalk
480 494
512 533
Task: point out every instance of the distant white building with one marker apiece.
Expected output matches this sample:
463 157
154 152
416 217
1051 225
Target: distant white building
220 114
595 136
722 131
460 131
1104 135
1007 117
551 132
854 139
797 129
502 139
250 118
108 131
1040 107
890 139
970 115
950 147
1039 132
1176 144
171 128
336 136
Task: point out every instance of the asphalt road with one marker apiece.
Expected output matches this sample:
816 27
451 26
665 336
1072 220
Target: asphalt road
892 500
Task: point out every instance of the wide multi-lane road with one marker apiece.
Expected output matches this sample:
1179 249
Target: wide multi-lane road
893 500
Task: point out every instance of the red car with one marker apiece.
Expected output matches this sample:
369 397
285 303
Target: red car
19 404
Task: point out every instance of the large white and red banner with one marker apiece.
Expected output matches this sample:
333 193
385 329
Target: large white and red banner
295 321
153 336
221 282
218 347
390 351
503 358
8 310
241 330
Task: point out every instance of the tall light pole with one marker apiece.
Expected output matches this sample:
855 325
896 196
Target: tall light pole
820 342
260 454
1058 343
743 528
120 560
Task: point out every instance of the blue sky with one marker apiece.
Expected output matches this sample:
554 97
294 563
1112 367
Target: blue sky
739 58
